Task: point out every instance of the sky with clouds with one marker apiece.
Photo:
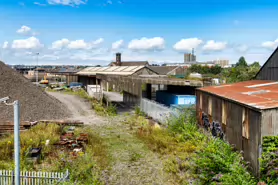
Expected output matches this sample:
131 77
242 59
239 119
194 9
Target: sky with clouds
90 32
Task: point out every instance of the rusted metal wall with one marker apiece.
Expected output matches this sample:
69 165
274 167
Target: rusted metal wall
251 146
270 123
234 124
270 69
230 114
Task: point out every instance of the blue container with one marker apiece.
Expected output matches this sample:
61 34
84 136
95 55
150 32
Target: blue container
169 99
185 100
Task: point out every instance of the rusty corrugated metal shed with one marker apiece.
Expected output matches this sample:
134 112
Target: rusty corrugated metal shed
260 94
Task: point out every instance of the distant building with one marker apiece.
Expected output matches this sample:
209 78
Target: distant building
188 64
189 57
221 63
119 62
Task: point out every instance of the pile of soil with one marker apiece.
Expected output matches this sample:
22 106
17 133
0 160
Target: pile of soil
35 104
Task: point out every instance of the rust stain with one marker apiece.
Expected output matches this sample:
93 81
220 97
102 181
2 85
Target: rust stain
262 96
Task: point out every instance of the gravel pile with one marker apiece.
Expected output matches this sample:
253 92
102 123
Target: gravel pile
35 103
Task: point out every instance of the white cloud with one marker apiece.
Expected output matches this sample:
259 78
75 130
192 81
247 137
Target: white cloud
76 44
270 44
24 30
59 44
187 44
81 44
5 45
29 43
109 2
67 2
211 45
156 43
118 44
98 41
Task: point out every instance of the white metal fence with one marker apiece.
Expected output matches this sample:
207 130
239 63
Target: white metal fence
157 111
33 178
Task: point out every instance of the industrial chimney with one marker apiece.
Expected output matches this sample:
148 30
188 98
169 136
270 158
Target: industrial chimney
118 59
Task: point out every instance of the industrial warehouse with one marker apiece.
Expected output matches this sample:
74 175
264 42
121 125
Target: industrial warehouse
242 113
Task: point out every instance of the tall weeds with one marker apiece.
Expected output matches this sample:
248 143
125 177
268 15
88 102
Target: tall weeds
192 153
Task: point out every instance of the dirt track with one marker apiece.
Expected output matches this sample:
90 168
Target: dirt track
79 109
132 163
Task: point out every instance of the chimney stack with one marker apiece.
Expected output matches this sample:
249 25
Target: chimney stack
118 59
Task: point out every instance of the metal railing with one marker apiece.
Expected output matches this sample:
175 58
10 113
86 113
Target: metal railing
33 178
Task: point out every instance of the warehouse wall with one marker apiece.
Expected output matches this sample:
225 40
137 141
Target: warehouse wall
269 123
269 70
244 135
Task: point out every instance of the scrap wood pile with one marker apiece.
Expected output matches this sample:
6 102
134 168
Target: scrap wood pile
35 103
73 143
8 126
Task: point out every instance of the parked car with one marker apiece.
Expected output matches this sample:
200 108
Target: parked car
75 85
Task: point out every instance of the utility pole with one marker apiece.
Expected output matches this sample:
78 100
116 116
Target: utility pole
16 137
37 72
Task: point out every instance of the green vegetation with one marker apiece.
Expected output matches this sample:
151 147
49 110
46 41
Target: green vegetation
84 169
241 72
190 153
269 160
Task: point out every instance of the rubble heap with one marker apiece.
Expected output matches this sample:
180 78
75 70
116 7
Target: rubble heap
35 103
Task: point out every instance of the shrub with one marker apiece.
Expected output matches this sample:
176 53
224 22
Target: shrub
269 160
215 159
111 110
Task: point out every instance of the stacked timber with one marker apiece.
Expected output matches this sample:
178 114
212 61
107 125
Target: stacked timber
9 126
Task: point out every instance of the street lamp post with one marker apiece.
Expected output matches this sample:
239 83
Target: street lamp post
37 72
16 137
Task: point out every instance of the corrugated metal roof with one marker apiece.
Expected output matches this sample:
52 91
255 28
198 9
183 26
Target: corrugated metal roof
116 70
260 94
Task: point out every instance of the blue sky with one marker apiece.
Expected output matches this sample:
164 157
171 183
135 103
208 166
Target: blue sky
92 31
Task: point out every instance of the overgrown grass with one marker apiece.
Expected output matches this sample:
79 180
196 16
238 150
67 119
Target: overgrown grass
83 170
192 153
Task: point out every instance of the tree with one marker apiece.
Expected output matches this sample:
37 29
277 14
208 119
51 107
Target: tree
216 70
256 64
241 62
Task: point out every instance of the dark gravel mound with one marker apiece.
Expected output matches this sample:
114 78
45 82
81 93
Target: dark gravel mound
35 103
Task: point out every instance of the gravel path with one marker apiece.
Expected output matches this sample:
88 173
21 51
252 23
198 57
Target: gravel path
79 109
132 163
